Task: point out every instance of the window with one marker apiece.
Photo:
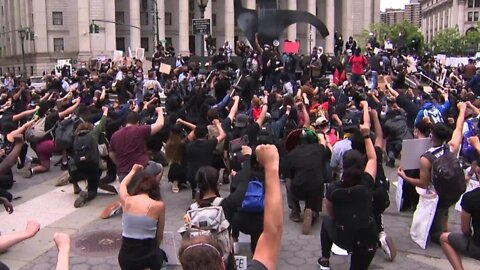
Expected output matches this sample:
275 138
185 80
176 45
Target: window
476 4
470 3
191 5
475 16
57 18
143 18
168 18
31 70
168 41
120 17
144 42
58 45
2 15
144 4
470 16
120 43
214 19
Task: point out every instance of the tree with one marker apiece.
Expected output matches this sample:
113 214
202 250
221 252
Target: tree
412 37
449 41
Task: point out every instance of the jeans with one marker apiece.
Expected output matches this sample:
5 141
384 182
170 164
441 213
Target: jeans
362 255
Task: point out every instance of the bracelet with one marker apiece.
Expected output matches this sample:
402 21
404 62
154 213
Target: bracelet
366 136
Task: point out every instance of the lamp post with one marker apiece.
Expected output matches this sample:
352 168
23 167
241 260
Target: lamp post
202 4
23 34
156 20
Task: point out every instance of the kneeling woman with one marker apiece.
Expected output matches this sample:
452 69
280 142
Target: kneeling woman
143 222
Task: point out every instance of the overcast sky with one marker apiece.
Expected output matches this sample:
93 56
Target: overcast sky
393 4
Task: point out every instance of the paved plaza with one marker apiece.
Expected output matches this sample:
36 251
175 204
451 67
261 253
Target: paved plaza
95 242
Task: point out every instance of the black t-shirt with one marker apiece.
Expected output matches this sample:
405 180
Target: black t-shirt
256 265
471 204
366 180
251 131
199 153
50 122
410 108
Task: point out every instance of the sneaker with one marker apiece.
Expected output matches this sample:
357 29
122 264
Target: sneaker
111 210
388 247
307 221
26 172
63 180
295 216
323 264
236 248
175 188
81 200
107 187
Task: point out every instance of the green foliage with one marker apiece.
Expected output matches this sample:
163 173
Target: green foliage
453 43
413 35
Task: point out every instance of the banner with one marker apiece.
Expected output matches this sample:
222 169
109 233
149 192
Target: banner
291 46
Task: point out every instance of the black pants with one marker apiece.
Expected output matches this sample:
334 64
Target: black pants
250 224
92 173
438 223
362 255
6 180
140 254
313 202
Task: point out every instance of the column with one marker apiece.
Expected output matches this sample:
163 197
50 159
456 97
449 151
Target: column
229 23
454 15
461 16
17 25
330 20
161 20
134 21
292 29
208 15
250 4
347 19
39 10
311 31
84 48
110 28
183 46
367 14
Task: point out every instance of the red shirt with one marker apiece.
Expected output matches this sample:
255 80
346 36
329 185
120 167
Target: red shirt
358 63
130 147
339 77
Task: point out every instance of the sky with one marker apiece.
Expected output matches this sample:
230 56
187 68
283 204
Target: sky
393 4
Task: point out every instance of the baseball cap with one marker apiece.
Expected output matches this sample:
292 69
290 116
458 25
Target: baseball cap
321 121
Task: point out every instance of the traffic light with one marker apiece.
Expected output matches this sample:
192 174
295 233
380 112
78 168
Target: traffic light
94 29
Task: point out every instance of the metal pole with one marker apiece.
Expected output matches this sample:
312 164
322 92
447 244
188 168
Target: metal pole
157 26
202 40
22 37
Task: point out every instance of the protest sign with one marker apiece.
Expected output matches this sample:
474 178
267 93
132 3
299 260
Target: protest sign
140 54
165 68
241 262
412 150
291 46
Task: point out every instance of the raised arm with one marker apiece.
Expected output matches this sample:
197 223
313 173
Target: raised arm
378 128
158 125
234 109
457 136
268 246
366 114
126 181
20 116
19 131
475 110
70 109
371 167
221 136
191 135
263 113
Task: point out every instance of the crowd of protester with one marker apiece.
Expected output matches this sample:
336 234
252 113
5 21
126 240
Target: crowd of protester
326 125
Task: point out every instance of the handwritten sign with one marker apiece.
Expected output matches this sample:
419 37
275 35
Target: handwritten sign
165 68
241 262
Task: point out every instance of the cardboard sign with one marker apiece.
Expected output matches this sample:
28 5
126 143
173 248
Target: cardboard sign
170 243
140 54
117 56
291 46
412 150
165 68
241 262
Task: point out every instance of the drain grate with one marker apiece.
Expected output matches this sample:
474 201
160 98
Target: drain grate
98 243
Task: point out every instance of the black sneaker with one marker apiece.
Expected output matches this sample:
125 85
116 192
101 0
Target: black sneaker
323 264
64 166
83 198
295 216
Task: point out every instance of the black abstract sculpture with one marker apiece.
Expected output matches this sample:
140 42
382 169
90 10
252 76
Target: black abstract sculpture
270 22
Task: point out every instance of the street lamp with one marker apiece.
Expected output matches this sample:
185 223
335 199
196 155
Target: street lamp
202 4
23 35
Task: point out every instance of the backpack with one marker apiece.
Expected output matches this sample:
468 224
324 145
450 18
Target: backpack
85 149
213 133
468 151
354 220
64 132
448 176
235 146
209 221
434 115
38 131
254 200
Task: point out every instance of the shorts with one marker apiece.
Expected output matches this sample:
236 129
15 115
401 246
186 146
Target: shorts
45 150
464 245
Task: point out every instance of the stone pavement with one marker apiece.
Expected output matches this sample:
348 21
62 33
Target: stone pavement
97 252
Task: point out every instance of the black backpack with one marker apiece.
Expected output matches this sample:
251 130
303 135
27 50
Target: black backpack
64 132
448 176
237 139
85 149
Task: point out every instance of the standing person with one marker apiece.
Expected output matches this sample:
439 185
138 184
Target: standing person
206 251
143 221
469 70
86 162
129 147
351 44
358 62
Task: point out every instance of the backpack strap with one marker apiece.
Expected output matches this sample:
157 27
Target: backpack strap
431 155
217 201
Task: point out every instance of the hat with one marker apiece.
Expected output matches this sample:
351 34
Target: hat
241 120
321 121
266 46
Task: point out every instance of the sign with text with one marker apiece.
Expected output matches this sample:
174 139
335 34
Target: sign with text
201 26
412 150
291 46
241 262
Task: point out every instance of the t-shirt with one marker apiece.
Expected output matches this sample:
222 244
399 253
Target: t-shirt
471 204
256 265
199 153
358 63
130 147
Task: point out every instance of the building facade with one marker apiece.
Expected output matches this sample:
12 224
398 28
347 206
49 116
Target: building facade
413 13
438 15
61 29
392 16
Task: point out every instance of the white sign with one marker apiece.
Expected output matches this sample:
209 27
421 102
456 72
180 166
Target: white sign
117 56
241 262
399 194
140 54
412 150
